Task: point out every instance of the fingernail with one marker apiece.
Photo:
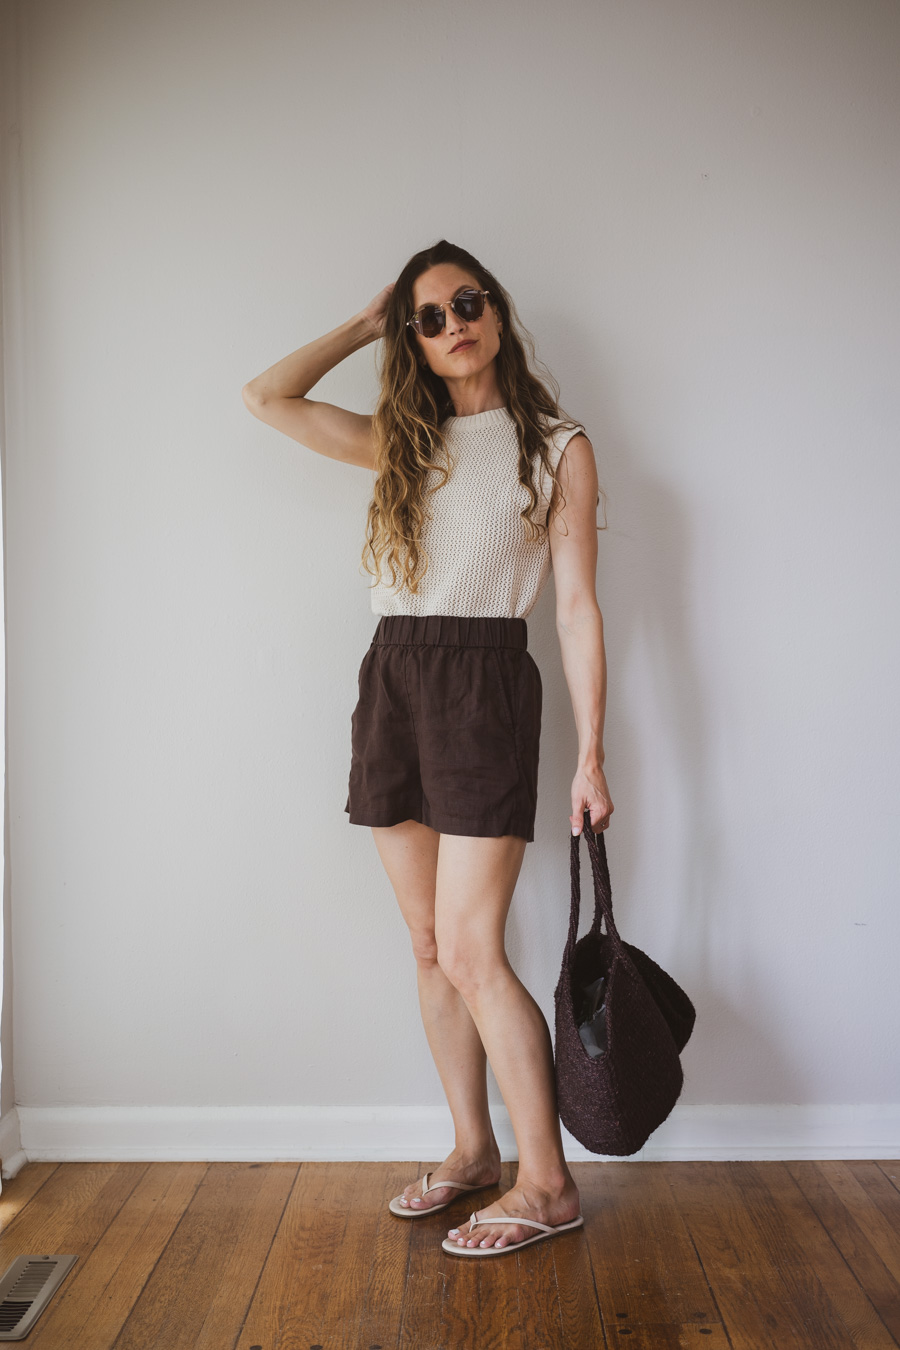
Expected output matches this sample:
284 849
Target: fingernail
574 831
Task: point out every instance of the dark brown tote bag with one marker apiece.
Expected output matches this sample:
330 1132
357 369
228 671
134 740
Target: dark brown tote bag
612 1096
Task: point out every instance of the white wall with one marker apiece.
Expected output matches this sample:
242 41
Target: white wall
695 207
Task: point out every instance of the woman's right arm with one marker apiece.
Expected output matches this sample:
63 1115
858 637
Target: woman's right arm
278 395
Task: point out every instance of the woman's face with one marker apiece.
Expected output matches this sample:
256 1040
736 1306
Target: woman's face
438 286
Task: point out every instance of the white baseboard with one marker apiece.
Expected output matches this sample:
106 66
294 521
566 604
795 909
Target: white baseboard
14 1157
378 1133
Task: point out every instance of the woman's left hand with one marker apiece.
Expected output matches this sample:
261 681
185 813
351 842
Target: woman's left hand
590 792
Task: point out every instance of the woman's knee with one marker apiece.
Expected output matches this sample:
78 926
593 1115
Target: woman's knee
470 963
424 945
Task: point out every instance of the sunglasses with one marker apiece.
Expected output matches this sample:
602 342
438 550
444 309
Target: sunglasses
429 320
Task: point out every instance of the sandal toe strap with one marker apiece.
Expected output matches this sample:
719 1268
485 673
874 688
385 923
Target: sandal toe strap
461 1185
502 1218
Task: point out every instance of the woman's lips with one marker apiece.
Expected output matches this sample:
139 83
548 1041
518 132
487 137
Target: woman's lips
461 346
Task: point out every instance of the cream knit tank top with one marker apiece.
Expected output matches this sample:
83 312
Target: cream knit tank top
480 560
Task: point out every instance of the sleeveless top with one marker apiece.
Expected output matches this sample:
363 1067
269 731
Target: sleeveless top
481 562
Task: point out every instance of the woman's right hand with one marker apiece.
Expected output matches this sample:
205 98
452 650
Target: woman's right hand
376 309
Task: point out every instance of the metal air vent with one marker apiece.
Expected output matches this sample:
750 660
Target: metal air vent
26 1288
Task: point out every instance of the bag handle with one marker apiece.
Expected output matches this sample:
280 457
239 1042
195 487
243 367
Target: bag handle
602 888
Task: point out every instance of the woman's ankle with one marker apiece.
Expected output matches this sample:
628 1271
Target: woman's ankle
551 1182
483 1152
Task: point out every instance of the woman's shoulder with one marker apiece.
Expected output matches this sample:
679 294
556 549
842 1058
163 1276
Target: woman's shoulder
558 433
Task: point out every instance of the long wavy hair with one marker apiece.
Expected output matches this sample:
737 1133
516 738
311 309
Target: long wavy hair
414 402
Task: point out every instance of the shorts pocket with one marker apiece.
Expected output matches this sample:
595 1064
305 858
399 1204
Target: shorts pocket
508 707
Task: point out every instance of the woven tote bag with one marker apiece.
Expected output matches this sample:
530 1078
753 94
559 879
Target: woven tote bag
613 1102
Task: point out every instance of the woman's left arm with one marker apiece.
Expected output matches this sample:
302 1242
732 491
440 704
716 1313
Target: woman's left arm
579 623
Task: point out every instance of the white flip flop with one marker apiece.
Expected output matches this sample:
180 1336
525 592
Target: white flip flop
451 1245
409 1212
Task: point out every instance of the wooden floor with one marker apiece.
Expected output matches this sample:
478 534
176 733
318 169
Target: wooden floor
215 1256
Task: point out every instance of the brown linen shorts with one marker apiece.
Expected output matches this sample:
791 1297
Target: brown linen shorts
447 727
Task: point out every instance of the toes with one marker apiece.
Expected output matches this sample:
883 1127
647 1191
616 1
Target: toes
485 1236
499 1237
482 1236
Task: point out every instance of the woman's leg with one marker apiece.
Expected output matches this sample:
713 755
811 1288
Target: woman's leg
409 852
474 887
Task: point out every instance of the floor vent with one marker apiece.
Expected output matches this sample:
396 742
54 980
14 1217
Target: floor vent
26 1288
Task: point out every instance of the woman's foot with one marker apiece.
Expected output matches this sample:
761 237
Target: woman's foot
483 1170
524 1201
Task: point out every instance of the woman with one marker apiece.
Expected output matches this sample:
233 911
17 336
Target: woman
479 486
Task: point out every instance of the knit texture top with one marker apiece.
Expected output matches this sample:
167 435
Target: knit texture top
481 562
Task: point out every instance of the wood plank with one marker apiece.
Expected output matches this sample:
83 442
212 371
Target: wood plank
579 1308
346 1323
753 1256
860 1210
646 1269
190 1276
747 1290
70 1212
384 1293
99 1294
290 1305
852 1246
891 1171
289 1256
18 1191
820 1284
254 1222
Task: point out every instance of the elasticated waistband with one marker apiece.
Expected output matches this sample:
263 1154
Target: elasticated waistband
451 630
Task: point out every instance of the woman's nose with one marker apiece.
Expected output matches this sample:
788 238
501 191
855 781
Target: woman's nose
453 322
